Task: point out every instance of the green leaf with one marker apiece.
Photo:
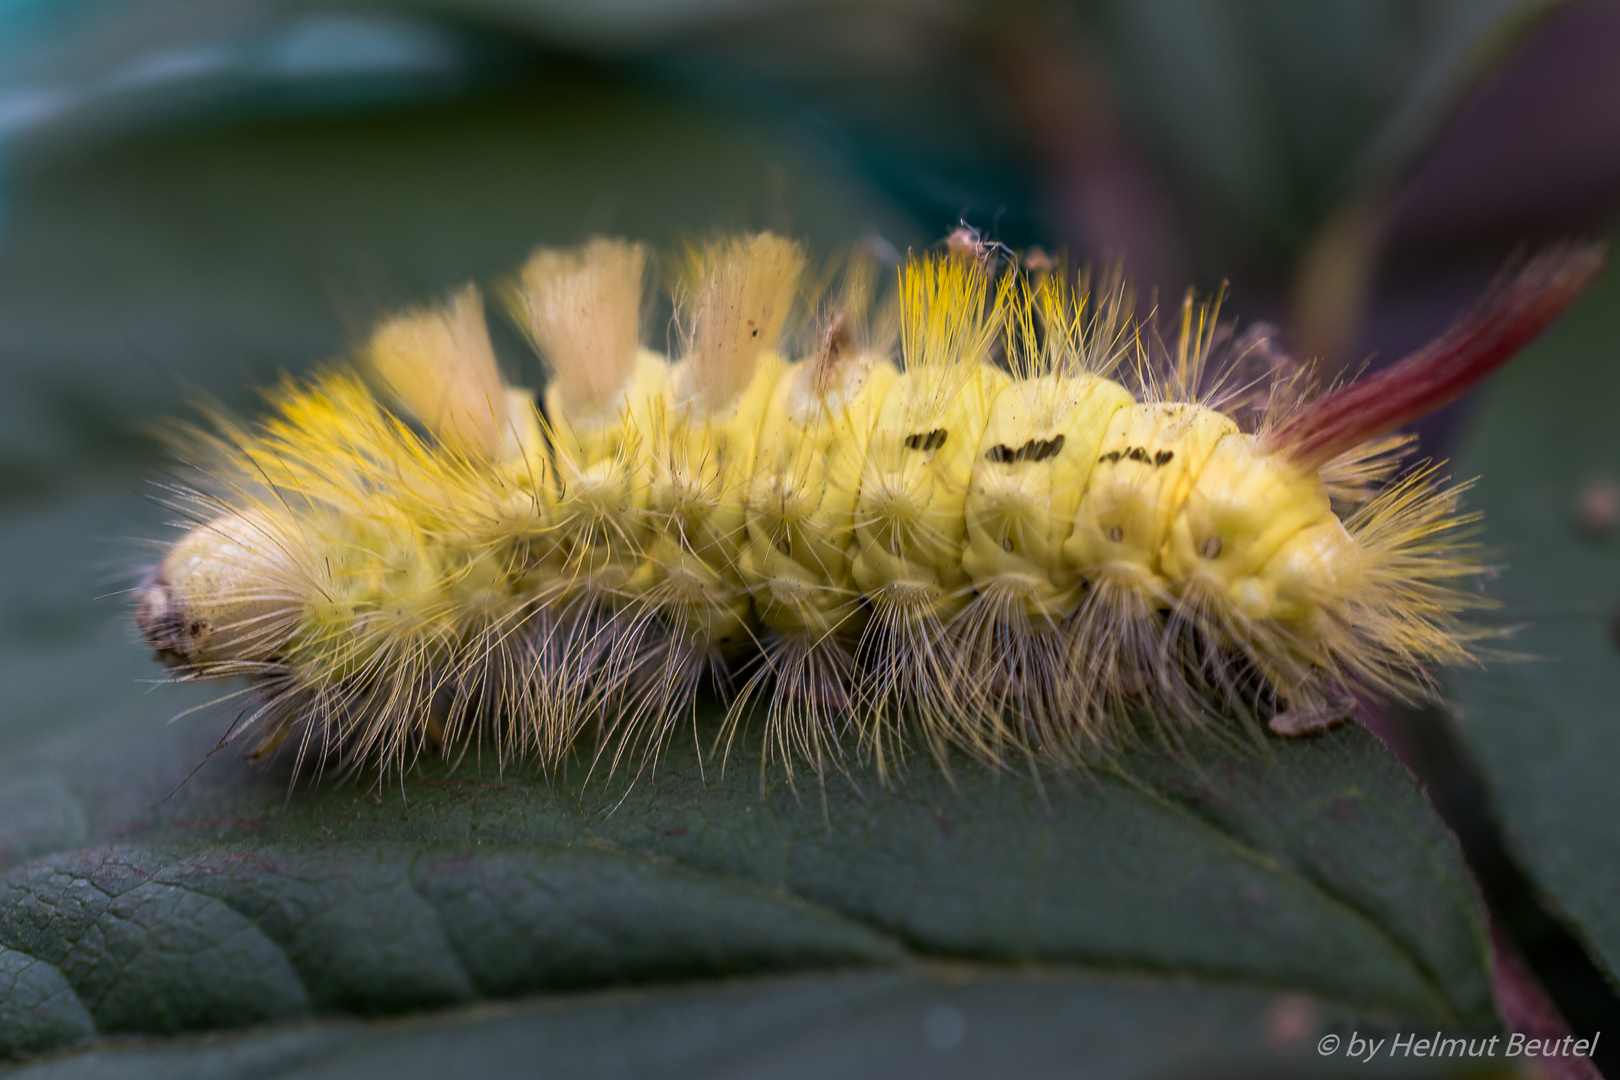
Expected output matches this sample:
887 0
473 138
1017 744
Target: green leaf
1544 728
936 1024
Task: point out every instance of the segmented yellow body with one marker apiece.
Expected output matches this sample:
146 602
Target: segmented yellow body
992 543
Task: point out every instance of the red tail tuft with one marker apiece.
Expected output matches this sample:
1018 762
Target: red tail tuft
1507 318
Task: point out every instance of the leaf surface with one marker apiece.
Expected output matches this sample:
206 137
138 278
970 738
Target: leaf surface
1546 729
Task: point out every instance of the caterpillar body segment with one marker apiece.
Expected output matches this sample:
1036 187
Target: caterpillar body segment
908 551
605 395
582 311
708 435
911 506
1014 639
1149 458
604 466
691 611
1029 474
801 499
699 522
910 509
797 562
993 544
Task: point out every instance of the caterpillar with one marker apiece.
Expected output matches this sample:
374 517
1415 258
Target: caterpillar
988 510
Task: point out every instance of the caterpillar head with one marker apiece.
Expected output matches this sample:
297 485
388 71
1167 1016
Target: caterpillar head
224 595
1259 530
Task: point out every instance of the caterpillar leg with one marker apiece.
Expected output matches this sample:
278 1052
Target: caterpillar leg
1311 717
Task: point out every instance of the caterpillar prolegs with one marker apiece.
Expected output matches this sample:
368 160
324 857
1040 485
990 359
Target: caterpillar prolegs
1048 521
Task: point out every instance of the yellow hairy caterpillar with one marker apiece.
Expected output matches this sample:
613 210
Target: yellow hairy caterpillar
1045 520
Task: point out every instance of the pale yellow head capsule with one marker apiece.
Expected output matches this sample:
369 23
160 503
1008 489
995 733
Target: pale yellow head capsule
1259 531
229 593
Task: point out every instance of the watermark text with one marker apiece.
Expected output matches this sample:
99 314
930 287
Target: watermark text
1359 1047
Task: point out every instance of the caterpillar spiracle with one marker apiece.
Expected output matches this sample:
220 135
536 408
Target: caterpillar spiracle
1046 522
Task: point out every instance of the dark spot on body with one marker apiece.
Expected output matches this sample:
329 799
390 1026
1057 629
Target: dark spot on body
1157 459
1034 450
1045 448
930 440
196 628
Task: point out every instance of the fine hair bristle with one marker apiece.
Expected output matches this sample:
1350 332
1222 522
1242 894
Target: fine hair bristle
737 311
856 323
1178 359
438 363
948 319
1058 324
582 309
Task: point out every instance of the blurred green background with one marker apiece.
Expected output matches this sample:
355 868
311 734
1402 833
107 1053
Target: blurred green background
198 194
